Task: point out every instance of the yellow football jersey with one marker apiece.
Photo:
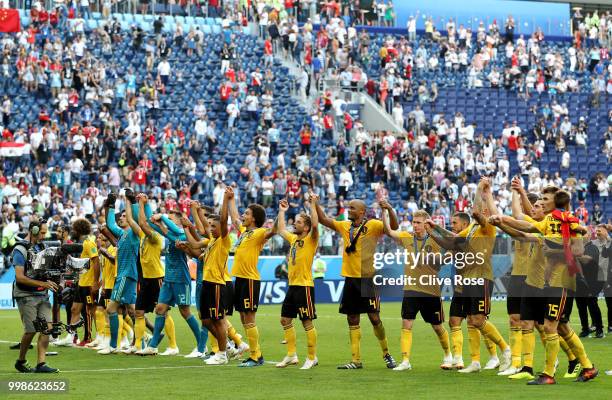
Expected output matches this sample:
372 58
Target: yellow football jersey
426 251
301 254
215 261
109 269
481 241
360 263
249 245
90 250
150 255
521 254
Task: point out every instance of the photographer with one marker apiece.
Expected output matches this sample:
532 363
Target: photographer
32 297
89 283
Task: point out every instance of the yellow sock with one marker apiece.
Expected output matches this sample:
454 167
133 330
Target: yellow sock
540 329
576 346
232 334
566 349
128 320
491 347
355 335
100 323
291 339
214 344
170 331
489 331
311 340
126 329
457 337
406 343
444 341
552 349
106 327
379 331
253 337
516 344
139 330
474 340
121 330
528 347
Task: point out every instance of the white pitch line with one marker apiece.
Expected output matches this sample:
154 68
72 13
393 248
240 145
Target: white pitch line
139 368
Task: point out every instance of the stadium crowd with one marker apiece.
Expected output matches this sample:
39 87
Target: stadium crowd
99 132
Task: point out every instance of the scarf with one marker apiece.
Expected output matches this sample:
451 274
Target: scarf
566 218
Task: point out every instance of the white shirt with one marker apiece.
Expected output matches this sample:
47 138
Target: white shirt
163 68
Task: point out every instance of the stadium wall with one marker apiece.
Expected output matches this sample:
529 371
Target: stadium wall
553 18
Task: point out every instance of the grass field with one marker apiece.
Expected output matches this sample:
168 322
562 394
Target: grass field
120 376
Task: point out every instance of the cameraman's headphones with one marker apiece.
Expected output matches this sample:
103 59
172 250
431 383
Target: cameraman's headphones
34 228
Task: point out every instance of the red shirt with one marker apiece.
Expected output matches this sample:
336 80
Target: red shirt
439 219
348 121
140 176
460 205
431 141
512 143
268 47
146 164
293 187
328 122
230 74
226 91
305 136
170 203
89 131
582 214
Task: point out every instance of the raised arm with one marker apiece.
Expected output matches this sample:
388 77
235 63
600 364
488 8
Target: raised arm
323 218
392 225
111 224
225 212
130 218
143 220
280 225
523 226
446 239
109 235
521 205
233 210
172 227
496 220
107 255
314 218
388 231
487 197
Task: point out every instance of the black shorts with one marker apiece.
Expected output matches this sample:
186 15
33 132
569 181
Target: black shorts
429 306
148 294
299 301
559 304
246 294
533 304
104 298
83 295
229 297
474 300
359 296
212 300
515 292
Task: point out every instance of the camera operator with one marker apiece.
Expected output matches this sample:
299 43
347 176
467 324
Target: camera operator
63 233
32 297
89 283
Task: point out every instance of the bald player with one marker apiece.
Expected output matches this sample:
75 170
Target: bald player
359 295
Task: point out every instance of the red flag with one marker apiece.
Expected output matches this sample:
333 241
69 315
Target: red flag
9 20
566 218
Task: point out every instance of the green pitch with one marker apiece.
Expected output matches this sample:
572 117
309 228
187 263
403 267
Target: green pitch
120 377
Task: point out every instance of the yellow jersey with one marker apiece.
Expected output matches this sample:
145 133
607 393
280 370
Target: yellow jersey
521 254
422 264
151 247
248 246
301 254
215 260
109 269
480 244
90 251
360 263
